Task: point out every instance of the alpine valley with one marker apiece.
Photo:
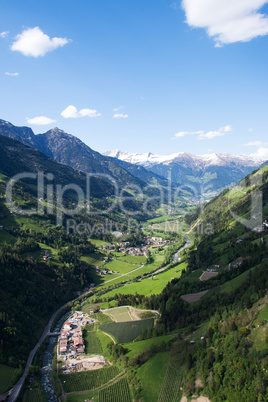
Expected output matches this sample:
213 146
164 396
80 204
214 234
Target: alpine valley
146 297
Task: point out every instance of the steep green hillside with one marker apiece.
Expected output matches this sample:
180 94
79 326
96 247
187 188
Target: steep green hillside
228 310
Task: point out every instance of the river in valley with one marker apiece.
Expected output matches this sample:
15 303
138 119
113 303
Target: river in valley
46 380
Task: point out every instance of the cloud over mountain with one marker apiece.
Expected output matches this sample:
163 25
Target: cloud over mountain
71 112
209 135
40 121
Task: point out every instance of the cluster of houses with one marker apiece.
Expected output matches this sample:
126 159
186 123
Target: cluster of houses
70 342
104 271
124 247
156 242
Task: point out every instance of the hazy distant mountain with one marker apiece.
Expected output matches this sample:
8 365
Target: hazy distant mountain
214 170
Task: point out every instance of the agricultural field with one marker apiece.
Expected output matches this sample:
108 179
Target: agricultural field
134 348
6 375
132 259
127 331
99 243
126 313
88 380
117 392
34 395
120 267
193 297
138 271
151 285
151 375
120 314
84 397
207 275
170 390
92 342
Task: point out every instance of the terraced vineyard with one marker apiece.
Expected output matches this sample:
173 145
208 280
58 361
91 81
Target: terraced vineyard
170 390
127 331
88 380
118 392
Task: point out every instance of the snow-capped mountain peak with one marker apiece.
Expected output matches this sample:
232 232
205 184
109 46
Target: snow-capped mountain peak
184 159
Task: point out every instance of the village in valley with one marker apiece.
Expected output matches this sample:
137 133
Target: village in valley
150 242
71 347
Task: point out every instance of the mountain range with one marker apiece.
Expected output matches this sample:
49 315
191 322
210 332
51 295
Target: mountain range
212 171
199 174
69 150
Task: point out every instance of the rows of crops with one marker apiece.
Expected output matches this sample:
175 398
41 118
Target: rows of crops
118 392
92 342
119 314
127 331
34 395
171 386
89 396
88 380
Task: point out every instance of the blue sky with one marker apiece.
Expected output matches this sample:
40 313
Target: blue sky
160 76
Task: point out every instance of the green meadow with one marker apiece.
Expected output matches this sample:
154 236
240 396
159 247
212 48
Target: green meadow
152 374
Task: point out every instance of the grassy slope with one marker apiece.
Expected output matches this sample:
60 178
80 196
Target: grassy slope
151 375
149 286
134 348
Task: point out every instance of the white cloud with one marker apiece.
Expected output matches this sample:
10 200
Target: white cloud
120 115
184 133
255 144
261 153
217 133
33 42
118 108
3 34
12 74
40 121
227 21
71 112
202 135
